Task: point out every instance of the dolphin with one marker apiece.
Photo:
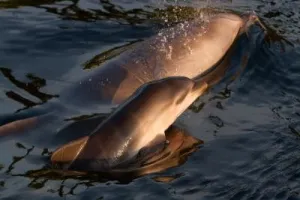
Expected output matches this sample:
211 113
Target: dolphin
190 49
135 130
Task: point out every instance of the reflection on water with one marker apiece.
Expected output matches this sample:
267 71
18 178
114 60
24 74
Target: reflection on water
167 179
31 87
99 59
72 10
250 127
17 159
110 10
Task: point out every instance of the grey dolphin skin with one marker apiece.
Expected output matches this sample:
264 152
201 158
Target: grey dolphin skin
137 127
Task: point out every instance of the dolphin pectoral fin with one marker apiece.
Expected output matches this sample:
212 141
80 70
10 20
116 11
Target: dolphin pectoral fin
68 152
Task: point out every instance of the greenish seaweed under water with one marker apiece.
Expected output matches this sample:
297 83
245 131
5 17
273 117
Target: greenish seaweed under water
250 127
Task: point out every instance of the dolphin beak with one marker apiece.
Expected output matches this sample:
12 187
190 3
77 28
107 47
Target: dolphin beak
200 87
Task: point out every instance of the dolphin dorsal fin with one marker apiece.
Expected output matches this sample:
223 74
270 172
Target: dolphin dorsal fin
68 152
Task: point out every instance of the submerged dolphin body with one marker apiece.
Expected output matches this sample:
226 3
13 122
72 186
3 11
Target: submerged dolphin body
137 127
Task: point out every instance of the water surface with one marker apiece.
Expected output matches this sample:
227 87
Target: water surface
250 127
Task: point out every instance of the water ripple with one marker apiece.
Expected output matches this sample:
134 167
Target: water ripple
250 127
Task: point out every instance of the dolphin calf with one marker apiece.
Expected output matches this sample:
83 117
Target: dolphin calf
136 129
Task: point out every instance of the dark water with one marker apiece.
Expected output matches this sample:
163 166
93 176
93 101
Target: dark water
251 128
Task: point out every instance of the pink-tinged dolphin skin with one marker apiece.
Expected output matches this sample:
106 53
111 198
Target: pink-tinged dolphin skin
187 49
135 130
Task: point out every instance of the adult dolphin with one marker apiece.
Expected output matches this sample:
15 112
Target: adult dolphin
187 49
